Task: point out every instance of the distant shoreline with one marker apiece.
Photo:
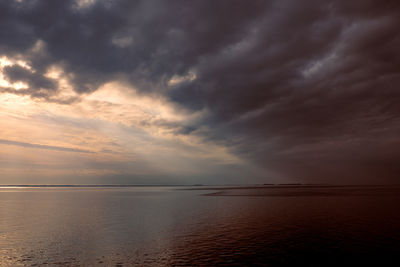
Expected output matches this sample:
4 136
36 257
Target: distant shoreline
204 187
97 185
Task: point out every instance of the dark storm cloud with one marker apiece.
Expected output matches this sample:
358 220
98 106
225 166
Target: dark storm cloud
308 89
37 81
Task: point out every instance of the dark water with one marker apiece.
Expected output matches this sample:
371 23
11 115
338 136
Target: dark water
163 226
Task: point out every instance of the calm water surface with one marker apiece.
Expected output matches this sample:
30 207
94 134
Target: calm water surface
165 226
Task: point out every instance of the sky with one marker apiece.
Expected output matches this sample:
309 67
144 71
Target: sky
201 91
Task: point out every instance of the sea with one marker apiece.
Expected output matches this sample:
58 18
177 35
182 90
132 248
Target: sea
271 225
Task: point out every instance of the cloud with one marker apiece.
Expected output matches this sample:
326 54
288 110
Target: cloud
58 148
306 89
36 81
